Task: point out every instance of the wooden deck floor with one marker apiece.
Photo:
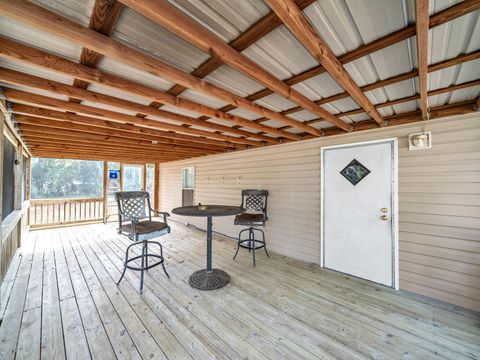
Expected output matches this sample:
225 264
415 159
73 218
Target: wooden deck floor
60 300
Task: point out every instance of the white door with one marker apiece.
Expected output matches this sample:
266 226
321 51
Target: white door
358 198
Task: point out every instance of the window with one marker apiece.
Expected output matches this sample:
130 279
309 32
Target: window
188 185
65 178
8 177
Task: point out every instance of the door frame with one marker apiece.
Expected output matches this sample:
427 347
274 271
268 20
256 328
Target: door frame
394 214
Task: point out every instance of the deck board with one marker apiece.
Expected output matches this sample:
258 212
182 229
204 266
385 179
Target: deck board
63 303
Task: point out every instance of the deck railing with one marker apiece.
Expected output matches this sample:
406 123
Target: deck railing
58 212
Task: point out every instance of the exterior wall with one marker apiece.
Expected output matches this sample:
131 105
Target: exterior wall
15 224
439 201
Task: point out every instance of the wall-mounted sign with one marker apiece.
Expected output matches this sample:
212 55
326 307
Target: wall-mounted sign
113 174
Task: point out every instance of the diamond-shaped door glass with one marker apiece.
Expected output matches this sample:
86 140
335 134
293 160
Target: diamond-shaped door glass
355 172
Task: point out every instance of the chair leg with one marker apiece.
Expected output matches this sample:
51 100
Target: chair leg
124 267
146 255
238 243
142 268
264 243
253 247
163 261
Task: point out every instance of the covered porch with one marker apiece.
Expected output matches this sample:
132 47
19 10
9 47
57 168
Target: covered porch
59 299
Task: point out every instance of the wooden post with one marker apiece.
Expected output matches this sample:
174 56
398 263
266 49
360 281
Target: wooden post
2 273
156 187
105 190
144 177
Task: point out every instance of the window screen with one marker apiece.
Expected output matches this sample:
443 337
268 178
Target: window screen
24 178
8 177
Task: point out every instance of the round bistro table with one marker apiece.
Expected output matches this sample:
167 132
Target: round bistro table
209 278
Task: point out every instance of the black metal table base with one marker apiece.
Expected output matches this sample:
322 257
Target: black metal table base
213 280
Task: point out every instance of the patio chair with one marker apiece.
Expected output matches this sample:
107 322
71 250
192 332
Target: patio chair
255 204
137 225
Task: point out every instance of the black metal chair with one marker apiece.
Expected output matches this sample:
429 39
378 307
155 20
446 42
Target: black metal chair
255 204
135 223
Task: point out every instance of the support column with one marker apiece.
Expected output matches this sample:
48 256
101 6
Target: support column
105 190
156 187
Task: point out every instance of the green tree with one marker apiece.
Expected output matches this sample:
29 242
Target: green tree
65 178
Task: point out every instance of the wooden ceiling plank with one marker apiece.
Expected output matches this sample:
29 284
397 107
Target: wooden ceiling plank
304 31
36 57
41 18
421 24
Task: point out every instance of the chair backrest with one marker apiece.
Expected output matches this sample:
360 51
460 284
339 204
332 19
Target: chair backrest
133 204
255 200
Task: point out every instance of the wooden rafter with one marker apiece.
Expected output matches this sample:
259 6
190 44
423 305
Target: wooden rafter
254 33
36 57
421 12
128 130
304 31
104 16
18 78
174 20
385 82
437 19
41 18
19 96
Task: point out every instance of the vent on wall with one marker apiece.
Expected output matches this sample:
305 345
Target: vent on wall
420 141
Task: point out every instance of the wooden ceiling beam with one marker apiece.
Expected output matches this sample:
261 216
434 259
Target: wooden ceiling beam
460 59
18 96
89 149
304 31
459 108
18 78
421 24
66 125
104 16
168 16
95 157
259 29
108 149
104 139
437 19
41 129
41 18
33 138
162 137
31 56
60 152
408 98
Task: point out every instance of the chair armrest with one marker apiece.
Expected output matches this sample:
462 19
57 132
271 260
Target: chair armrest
164 213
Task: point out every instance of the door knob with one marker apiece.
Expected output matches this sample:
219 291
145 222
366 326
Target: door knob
384 210
384 217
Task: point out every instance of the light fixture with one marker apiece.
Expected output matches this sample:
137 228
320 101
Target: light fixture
421 140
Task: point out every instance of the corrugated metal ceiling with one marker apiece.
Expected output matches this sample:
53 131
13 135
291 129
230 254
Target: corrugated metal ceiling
344 24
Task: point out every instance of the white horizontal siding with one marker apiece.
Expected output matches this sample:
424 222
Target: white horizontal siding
439 195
